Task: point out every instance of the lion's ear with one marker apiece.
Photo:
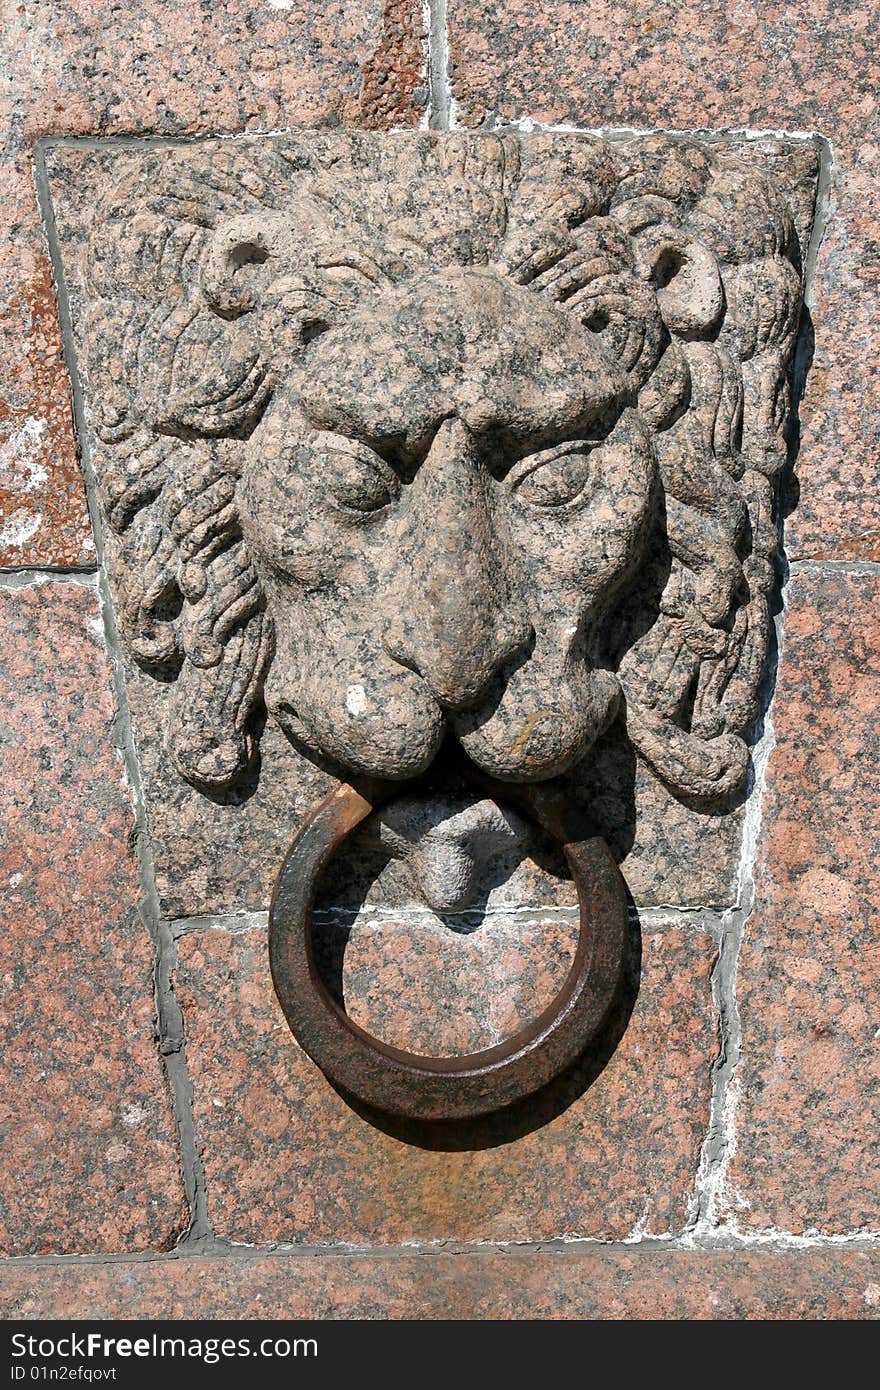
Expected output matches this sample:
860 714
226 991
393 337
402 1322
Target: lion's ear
685 277
230 281
285 277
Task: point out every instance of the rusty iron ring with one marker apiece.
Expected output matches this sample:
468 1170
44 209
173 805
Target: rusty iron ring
444 1088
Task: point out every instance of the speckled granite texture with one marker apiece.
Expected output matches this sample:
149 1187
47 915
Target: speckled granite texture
691 64
629 1284
90 1148
468 580
79 68
809 990
410 980
91 1160
287 1159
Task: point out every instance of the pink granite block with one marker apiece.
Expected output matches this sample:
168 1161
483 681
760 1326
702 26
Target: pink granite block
89 1144
287 1159
608 1283
809 988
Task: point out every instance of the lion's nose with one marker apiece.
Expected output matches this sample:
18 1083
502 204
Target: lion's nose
458 620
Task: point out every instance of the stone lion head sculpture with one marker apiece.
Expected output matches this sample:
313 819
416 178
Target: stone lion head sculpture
426 434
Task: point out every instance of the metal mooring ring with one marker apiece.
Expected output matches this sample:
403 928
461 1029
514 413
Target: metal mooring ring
443 1088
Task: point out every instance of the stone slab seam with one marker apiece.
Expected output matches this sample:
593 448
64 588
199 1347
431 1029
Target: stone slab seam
244 1254
442 107
50 571
713 1204
696 920
709 1201
169 1022
869 569
25 577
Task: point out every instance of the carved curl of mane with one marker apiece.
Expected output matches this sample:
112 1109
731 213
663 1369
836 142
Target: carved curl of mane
223 268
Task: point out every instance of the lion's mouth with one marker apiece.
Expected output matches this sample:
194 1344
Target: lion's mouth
534 721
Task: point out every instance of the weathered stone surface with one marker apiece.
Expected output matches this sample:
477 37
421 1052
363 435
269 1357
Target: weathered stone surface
809 1080
691 64
573 519
287 1159
609 1283
219 854
43 516
90 1156
77 68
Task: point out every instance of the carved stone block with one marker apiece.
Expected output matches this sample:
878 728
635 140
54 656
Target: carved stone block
430 437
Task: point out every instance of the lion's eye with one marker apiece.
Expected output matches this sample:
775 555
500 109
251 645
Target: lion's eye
553 478
357 478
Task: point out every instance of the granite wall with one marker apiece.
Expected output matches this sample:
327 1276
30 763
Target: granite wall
157 1116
